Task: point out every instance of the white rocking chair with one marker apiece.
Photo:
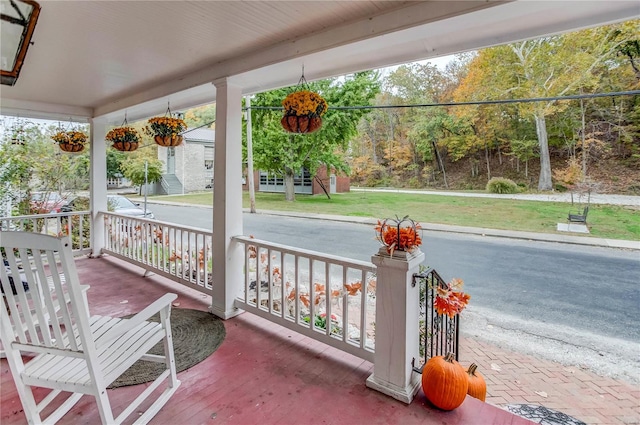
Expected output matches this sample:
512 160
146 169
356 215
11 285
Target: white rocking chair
73 351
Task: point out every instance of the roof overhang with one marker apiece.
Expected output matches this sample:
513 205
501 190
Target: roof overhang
416 31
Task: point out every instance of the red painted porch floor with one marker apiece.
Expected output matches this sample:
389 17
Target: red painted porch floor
265 374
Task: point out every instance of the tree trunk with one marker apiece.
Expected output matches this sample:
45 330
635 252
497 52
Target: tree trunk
486 157
372 136
544 182
584 146
444 173
289 189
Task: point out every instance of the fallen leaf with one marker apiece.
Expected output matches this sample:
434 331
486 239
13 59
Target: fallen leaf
541 394
494 366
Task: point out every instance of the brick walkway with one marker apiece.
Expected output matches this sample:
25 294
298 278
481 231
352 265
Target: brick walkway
523 379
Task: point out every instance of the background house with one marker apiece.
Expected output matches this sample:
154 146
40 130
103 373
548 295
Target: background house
304 182
188 167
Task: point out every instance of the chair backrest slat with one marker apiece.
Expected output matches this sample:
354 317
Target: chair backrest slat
8 293
65 315
33 270
23 311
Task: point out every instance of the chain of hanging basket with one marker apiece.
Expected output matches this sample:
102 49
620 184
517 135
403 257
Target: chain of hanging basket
303 109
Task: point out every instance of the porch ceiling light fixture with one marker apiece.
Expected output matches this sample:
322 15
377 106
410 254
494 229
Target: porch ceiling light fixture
19 19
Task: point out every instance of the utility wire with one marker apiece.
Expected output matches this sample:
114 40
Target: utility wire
479 102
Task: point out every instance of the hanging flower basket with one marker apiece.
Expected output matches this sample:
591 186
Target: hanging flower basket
166 130
70 141
124 139
303 110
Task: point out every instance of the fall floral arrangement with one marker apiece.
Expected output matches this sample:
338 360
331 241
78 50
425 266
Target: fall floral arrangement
303 110
123 134
305 103
73 137
165 126
399 234
450 300
123 138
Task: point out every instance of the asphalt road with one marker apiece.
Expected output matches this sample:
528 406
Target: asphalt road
589 289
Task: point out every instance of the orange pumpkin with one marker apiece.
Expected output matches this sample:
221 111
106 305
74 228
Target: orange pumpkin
444 382
477 384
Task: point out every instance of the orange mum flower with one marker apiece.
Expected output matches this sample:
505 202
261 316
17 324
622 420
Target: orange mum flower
451 300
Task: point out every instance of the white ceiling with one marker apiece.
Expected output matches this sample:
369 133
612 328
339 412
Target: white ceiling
100 58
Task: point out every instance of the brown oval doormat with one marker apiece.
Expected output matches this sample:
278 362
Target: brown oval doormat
196 335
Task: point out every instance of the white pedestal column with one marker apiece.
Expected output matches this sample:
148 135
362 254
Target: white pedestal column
98 184
227 200
397 334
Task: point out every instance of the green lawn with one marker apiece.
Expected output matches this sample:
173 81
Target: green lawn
605 221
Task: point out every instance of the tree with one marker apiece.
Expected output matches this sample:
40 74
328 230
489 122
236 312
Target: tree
286 154
114 162
37 164
134 170
200 116
547 67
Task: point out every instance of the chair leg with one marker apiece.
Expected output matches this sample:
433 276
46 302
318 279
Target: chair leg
169 356
25 393
104 408
28 404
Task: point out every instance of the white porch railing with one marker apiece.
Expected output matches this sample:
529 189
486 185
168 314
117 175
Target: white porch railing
327 298
180 253
118 182
77 225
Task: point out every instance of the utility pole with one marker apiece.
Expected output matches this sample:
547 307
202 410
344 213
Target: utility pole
146 185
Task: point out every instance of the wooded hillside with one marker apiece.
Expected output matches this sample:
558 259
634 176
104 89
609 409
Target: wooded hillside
542 145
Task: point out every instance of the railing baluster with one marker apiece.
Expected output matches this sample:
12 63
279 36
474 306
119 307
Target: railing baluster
363 308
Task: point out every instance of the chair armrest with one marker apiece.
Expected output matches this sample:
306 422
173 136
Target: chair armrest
128 324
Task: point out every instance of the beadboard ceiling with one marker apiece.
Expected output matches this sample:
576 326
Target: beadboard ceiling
99 58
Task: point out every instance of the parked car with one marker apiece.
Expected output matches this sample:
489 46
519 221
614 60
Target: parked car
115 203
46 202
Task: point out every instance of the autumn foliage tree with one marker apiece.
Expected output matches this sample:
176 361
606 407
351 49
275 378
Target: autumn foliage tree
286 154
548 67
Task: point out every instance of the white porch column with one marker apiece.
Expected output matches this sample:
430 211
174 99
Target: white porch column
227 199
98 183
397 334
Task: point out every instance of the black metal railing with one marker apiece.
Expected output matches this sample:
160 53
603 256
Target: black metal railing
439 334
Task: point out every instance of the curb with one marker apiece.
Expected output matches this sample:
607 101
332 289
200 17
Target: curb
512 234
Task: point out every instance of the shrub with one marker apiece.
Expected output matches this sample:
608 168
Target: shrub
502 185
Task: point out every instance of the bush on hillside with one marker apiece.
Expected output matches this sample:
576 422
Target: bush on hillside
502 185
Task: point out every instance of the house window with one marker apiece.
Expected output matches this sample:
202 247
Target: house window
208 158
